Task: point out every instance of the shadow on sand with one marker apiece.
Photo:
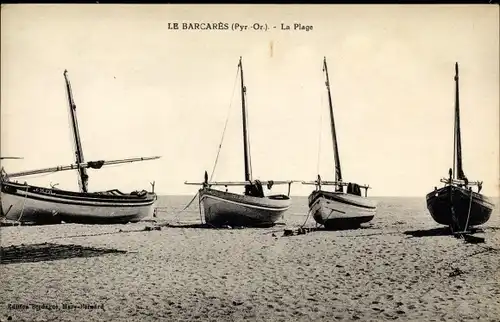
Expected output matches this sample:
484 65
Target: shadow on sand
440 231
49 252
208 226
468 236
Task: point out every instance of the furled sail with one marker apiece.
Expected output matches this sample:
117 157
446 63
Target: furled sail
458 171
338 172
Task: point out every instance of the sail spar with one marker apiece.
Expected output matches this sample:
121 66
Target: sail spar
85 165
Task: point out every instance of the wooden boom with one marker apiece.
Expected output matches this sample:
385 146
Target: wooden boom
90 164
461 182
239 183
333 183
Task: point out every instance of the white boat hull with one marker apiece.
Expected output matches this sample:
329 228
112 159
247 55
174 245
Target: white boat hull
49 206
337 210
225 208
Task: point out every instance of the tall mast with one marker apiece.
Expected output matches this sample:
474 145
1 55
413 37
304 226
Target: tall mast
338 172
246 148
458 172
82 172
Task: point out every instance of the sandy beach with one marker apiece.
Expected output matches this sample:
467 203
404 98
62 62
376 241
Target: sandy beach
378 273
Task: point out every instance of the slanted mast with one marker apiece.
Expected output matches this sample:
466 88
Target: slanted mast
82 177
338 172
246 146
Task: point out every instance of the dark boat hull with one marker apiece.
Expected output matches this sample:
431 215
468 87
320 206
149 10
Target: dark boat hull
38 205
336 210
226 208
441 202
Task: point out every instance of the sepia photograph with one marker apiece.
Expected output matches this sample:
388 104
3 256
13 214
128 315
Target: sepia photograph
216 162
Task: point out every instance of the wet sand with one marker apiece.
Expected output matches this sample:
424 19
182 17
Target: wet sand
191 274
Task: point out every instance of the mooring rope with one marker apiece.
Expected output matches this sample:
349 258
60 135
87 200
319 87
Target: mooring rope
468 214
452 209
176 216
24 204
189 204
485 249
199 209
307 217
464 229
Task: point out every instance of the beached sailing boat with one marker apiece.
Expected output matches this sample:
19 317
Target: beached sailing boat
455 204
251 209
27 203
338 209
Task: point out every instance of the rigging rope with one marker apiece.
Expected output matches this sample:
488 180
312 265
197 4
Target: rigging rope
218 152
39 175
72 142
308 213
320 133
225 125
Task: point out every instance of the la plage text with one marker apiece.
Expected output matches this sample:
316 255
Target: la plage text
236 26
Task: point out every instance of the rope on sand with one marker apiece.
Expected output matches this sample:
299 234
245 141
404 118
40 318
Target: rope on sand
457 271
307 217
24 204
462 234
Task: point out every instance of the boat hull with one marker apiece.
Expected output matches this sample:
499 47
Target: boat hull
38 205
225 208
441 201
338 210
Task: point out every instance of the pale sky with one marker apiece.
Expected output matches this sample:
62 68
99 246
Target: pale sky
142 89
